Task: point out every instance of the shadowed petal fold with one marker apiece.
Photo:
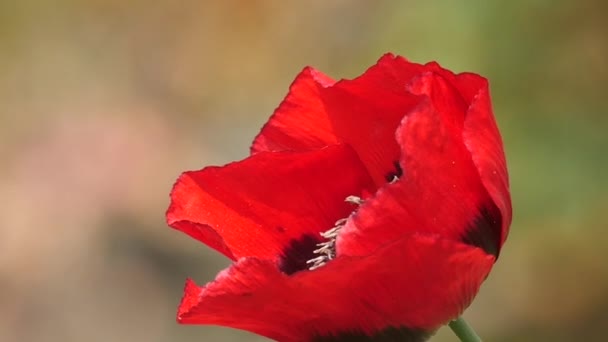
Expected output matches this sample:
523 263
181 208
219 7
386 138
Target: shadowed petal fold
482 139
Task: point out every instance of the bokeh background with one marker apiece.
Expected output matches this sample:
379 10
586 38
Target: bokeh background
104 102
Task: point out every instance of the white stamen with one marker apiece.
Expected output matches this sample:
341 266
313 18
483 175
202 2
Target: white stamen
327 249
315 266
316 260
354 200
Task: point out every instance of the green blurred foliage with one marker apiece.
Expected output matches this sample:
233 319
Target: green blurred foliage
105 102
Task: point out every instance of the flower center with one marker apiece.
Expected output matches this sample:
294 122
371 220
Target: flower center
311 251
326 250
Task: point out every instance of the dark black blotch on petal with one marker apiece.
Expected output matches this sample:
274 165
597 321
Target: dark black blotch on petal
390 334
397 172
297 253
484 231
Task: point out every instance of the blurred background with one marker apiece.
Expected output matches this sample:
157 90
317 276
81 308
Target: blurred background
104 102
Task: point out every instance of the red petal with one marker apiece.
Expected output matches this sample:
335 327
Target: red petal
415 282
258 206
482 139
364 113
300 122
441 191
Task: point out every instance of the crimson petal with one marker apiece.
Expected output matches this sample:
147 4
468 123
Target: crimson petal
482 139
269 205
301 121
363 112
443 191
413 285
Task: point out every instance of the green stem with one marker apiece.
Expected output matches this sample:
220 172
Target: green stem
463 330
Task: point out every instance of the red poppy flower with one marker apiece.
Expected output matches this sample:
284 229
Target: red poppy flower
414 150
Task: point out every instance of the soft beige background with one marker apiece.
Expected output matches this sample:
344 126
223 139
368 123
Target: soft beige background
103 103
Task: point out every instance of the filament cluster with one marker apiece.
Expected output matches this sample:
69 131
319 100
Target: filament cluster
327 249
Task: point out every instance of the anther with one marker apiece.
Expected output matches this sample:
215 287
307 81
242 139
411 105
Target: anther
326 248
341 222
354 200
332 232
